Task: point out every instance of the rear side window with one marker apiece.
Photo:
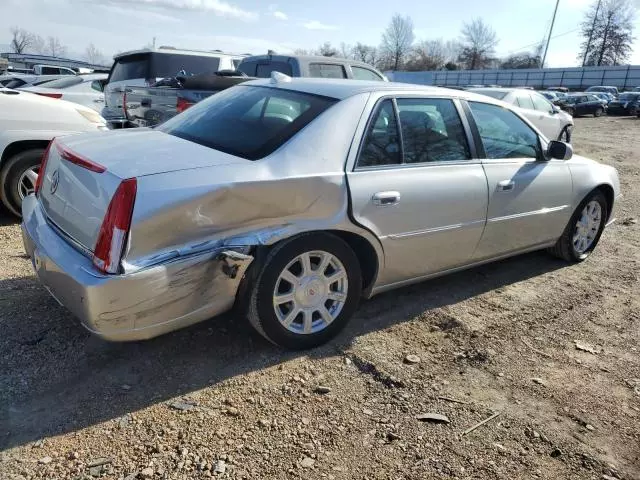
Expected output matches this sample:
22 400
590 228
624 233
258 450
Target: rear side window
524 101
168 65
50 71
504 135
64 82
382 142
326 70
360 73
128 68
247 121
15 83
431 131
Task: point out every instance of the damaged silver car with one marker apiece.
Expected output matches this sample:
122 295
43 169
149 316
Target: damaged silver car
294 198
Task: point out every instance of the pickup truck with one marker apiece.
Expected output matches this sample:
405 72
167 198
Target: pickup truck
150 106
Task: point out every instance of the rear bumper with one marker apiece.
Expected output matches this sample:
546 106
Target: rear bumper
134 306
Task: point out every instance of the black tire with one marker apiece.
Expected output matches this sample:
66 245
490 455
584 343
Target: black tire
633 111
10 175
564 247
598 112
565 135
570 111
261 313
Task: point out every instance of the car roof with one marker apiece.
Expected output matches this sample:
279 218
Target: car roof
501 89
343 88
309 58
179 51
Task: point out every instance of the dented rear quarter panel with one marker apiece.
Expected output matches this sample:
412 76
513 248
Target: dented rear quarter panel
300 187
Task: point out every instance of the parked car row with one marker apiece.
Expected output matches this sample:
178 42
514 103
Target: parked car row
292 198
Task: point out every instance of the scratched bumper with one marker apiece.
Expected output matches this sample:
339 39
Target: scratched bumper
134 306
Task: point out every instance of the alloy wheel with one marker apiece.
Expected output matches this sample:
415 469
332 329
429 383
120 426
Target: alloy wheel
587 227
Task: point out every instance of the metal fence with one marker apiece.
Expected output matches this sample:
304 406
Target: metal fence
623 77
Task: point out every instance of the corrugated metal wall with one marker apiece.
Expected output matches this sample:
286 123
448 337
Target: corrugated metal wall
624 77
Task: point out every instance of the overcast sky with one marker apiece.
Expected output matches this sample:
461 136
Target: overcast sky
250 26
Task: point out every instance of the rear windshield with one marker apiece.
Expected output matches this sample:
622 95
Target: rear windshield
263 68
64 82
161 65
497 94
247 121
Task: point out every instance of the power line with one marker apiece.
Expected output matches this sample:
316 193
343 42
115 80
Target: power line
516 50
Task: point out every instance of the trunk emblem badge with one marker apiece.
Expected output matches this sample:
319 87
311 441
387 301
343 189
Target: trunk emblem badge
55 180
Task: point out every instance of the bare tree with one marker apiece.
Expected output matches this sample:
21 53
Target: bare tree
427 55
93 55
39 45
302 51
607 30
346 50
397 40
327 50
478 45
54 47
22 40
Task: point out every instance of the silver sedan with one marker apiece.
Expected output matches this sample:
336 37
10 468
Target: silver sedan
291 199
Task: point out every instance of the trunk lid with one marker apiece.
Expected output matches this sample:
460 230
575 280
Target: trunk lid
75 198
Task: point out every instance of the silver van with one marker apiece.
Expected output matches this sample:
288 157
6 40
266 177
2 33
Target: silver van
142 68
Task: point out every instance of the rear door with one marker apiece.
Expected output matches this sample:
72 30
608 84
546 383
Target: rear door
550 123
418 187
529 197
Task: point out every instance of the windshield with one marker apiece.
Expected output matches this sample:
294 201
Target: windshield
247 121
628 97
497 94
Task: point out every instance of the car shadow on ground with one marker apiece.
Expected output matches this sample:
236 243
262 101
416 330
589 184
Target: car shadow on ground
7 219
56 378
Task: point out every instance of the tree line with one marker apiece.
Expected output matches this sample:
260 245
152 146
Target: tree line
23 41
607 32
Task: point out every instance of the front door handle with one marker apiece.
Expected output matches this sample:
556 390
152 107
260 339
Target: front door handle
506 185
386 199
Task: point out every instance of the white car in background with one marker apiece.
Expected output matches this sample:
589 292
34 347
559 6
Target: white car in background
28 123
546 117
82 89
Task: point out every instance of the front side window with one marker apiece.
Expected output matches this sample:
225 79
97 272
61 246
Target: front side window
247 121
382 141
541 104
326 70
431 131
504 135
360 73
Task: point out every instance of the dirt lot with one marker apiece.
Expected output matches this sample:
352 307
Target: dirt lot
216 400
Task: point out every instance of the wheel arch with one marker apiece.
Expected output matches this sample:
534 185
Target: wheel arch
21 146
607 191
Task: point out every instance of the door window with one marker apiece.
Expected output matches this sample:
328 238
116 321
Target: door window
382 141
524 101
431 131
503 133
541 104
326 70
360 73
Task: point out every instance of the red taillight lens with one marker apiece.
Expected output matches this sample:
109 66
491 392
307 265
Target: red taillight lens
50 95
182 105
43 165
77 159
115 227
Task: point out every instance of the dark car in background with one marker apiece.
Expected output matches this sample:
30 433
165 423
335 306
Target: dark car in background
261 66
627 103
604 88
578 104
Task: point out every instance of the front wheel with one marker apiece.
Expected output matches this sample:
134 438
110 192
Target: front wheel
633 111
584 229
306 292
598 112
18 178
565 135
570 111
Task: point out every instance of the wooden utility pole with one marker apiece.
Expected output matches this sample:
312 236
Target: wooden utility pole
546 47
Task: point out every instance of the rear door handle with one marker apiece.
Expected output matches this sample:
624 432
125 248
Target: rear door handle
506 185
386 199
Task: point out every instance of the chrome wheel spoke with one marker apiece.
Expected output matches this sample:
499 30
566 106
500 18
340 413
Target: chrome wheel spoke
27 182
314 281
32 175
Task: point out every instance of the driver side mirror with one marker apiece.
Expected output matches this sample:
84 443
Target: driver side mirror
559 150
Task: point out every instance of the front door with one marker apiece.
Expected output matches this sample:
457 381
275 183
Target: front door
529 197
416 186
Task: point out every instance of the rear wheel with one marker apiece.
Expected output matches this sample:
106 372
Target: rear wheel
570 111
584 229
598 112
633 111
306 292
18 178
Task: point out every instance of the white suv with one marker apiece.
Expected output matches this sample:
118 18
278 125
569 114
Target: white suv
141 68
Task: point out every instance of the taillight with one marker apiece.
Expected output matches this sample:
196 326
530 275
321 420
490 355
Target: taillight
182 105
43 165
77 159
115 227
124 103
50 95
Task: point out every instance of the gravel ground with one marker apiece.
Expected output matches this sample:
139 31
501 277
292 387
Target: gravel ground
215 400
